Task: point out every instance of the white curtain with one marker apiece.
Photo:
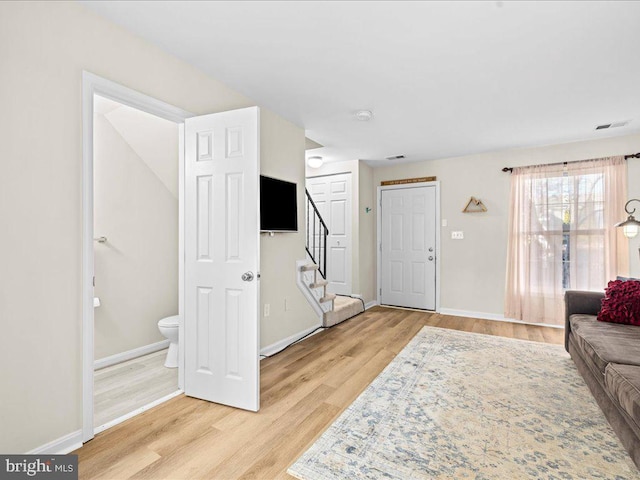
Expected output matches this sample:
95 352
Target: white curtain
562 235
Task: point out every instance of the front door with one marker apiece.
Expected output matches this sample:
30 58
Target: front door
408 256
332 196
222 256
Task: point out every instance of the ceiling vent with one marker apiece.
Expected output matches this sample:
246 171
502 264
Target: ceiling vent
611 125
395 157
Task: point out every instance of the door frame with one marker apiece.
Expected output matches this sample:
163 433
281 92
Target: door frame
435 184
93 84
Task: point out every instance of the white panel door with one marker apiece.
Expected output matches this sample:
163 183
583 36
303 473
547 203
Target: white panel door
222 242
332 196
408 256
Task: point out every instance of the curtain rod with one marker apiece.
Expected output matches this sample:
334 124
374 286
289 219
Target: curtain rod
626 157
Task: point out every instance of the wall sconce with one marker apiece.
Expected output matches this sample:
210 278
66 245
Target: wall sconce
631 226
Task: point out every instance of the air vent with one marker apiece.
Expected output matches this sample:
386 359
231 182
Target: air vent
395 157
611 125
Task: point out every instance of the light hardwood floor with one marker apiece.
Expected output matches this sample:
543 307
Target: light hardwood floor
303 390
127 386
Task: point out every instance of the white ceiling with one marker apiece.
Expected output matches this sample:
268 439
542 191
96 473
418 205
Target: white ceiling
443 78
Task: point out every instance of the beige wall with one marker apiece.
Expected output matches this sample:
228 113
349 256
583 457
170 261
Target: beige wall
473 270
367 227
282 156
136 270
44 47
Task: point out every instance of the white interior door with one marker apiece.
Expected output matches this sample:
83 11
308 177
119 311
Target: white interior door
222 256
332 196
408 247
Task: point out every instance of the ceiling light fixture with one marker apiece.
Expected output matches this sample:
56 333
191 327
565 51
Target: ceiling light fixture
364 115
315 162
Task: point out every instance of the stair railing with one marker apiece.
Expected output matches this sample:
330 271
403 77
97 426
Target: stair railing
317 233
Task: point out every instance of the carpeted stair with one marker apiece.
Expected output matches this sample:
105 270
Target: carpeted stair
343 309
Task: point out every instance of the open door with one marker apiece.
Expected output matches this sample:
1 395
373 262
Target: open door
222 257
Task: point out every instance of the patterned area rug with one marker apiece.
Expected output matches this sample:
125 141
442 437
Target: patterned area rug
456 405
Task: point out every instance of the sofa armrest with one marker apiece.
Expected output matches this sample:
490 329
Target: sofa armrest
576 301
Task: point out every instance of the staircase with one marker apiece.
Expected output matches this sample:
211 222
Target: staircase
312 274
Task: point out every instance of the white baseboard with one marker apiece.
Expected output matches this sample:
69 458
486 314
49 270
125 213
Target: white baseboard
60 446
370 304
130 354
490 316
277 346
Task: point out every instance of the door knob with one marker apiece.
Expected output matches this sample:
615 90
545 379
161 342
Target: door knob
247 276
430 258
431 249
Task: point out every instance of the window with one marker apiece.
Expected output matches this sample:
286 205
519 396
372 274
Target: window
562 234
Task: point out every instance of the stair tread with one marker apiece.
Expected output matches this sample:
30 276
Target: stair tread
318 284
309 267
327 298
343 309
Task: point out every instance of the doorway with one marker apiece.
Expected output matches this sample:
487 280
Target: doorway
332 196
92 86
408 239
135 185
218 173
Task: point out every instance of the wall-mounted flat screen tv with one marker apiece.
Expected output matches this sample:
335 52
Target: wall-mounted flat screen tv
278 205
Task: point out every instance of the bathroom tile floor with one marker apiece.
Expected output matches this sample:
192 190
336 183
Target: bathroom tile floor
125 387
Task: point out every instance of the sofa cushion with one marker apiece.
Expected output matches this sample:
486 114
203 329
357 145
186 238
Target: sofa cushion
621 303
603 343
623 383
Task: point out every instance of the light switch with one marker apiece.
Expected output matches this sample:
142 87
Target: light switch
444 222
457 235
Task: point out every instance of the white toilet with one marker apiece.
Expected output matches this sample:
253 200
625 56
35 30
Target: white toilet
169 328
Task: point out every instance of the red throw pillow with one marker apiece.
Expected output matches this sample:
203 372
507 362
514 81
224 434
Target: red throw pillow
621 302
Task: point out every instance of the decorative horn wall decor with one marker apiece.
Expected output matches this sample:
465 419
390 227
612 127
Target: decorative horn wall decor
474 205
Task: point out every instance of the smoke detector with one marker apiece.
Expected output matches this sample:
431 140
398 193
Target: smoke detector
395 157
364 115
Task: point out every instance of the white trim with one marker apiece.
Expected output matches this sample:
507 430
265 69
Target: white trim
370 304
138 411
491 316
379 233
130 354
313 301
91 85
181 256
279 345
60 446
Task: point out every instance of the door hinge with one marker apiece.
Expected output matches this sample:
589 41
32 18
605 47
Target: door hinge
380 291
94 281
380 246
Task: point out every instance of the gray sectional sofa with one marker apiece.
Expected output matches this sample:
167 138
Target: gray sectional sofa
607 356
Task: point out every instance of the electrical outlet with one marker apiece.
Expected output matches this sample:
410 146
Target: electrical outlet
286 305
457 235
267 309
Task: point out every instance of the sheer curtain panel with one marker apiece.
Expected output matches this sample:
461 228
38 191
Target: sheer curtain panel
562 235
